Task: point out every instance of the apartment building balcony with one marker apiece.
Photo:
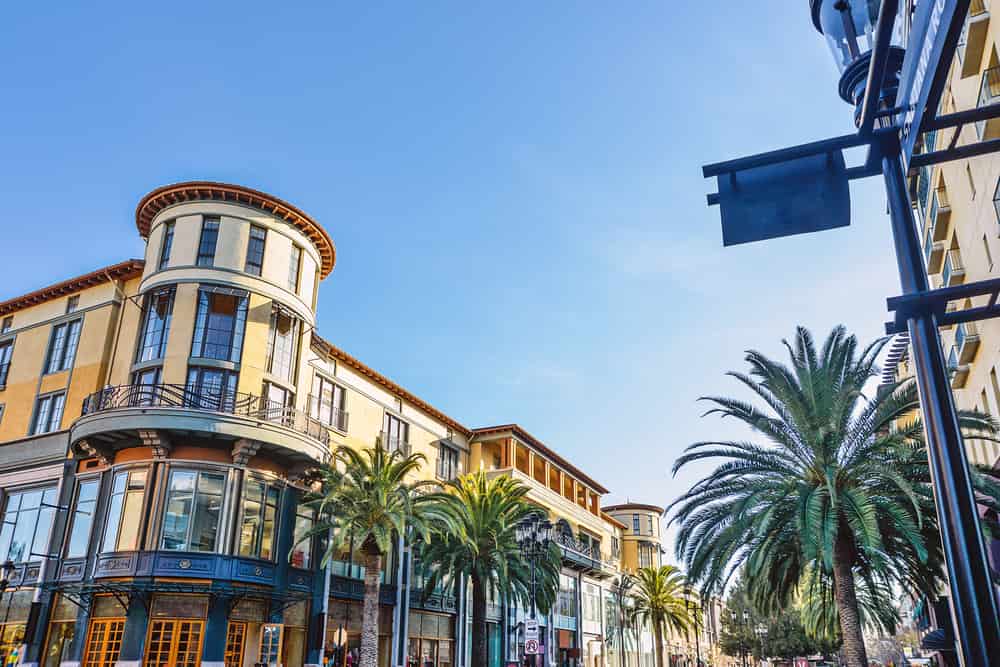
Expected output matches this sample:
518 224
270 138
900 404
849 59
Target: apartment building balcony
967 342
394 443
953 271
989 94
128 415
940 217
959 371
328 414
972 42
933 253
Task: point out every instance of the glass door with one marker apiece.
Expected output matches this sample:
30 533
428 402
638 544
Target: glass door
236 635
174 643
104 642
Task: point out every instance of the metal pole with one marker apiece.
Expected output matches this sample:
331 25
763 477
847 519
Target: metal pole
973 606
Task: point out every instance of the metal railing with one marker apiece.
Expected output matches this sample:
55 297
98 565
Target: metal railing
952 266
963 332
989 94
570 542
181 396
953 359
338 417
393 443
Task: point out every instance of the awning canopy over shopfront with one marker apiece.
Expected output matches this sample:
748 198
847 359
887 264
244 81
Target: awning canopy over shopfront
82 593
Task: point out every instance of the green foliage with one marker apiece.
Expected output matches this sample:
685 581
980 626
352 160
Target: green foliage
365 497
836 480
659 595
476 538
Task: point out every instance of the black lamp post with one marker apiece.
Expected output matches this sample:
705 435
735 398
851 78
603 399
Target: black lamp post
533 537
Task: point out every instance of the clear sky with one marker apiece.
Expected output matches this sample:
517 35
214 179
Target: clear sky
514 189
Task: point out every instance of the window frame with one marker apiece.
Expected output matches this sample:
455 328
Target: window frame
295 268
258 266
72 303
278 311
404 427
74 516
338 413
237 331
636 525
6 324
306 513
447 464
196 491
50 396
64 340
224 400
152 298
6 346
43 487
209 236
166 245
128 472
256 549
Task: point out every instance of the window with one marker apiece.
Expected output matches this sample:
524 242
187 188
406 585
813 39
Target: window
649 518
395 433
146 389
236 634
294 267
282 344
591 603
48 413
193 507
972 182
327 403
166 245
302 548
1 412
8 324
82 520
255 250
447 463
276 401
257 528
270 644
174 642
635 524
61 632
62 346
155 325
125 511
208 241
211 388
27 519
104 642
219 325
72 303
6 350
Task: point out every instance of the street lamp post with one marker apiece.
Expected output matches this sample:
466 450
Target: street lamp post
805 188
533 535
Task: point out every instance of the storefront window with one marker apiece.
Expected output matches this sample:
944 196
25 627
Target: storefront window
125 511
431 638
194 504
270 644
566 598
62 630
27 520
302 550
13 621
260 508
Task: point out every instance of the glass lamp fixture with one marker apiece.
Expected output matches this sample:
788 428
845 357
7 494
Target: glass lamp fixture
849 28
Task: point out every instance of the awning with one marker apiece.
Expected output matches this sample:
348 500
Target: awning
938 640
82 593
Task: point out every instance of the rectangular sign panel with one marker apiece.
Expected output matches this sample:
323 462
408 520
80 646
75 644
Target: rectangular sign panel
924 56
798 196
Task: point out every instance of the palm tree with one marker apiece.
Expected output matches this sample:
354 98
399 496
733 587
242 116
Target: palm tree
819 608
841 485
367 500
478 542
660 599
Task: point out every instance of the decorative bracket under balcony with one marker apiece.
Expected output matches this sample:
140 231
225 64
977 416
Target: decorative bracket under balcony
158 441
101 452
244 450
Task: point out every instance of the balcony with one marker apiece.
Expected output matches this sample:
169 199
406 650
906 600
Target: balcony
125 415
922 191
953 272
328 414
972 41
393 443
959 372
967 342
933 253
940 217
989 94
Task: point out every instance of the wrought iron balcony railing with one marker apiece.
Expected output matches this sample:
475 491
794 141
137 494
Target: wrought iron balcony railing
181 396
337 418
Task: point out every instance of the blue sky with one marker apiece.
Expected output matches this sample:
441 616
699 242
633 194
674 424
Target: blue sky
514 189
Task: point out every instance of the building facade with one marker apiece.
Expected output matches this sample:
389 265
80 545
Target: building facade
159 422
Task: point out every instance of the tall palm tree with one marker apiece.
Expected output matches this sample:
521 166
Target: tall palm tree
367 500
478 542
660 599
842 483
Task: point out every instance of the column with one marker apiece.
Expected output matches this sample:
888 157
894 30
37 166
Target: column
213 649
134 638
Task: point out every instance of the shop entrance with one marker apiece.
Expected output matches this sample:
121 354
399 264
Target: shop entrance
236 639
174 643
104 642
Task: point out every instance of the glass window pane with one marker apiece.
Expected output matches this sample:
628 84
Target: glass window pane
83 519
128 539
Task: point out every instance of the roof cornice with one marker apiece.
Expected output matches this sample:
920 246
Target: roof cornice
178 193
122 271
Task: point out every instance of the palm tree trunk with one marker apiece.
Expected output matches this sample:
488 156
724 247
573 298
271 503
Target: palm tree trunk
658 644
480 655
369 613
847 600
